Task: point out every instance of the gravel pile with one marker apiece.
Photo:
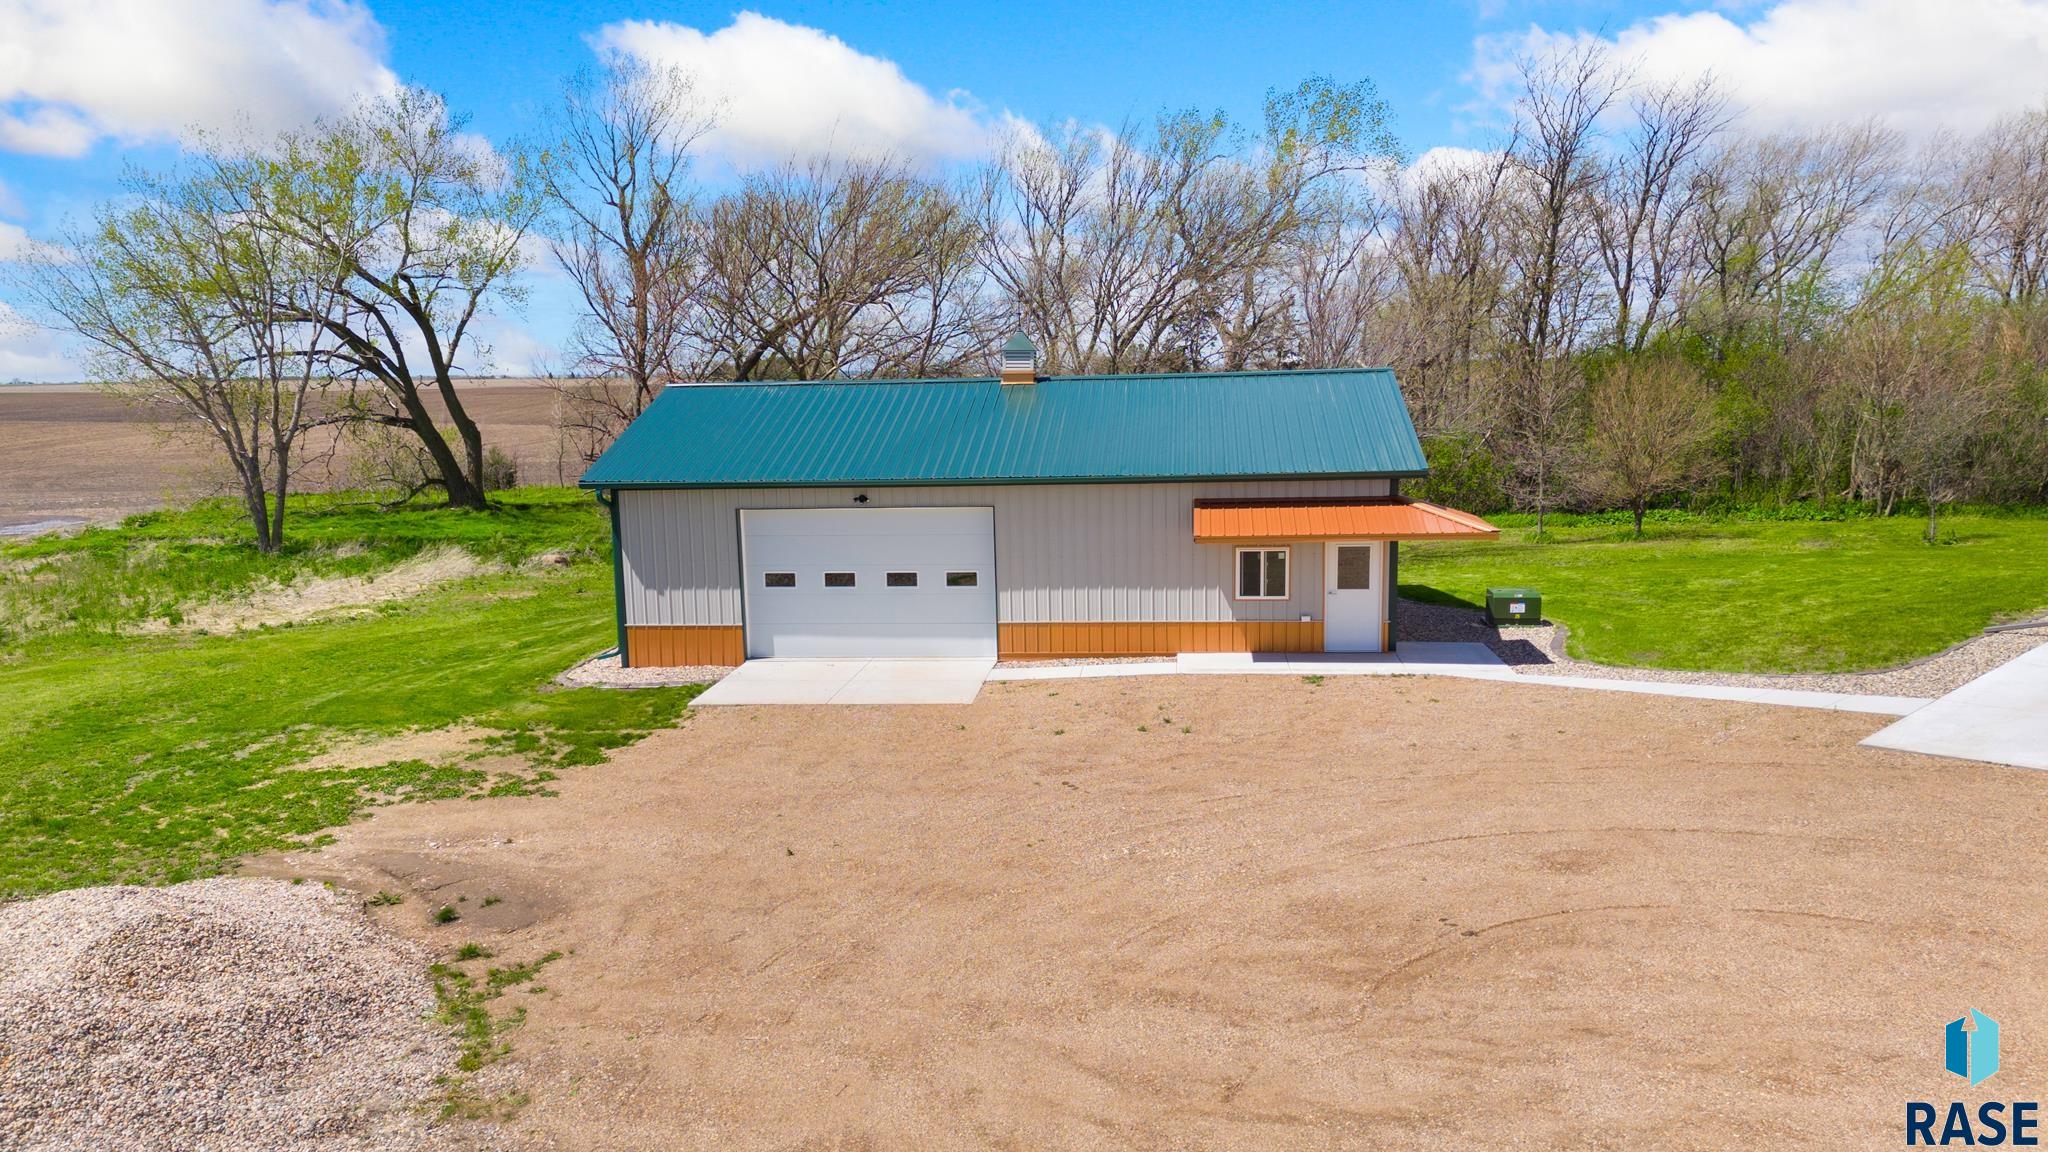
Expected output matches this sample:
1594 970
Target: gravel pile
604 672
1540 651
220 1014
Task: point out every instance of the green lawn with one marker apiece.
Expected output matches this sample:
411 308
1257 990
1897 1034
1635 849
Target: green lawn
1754 595
154 758
159 758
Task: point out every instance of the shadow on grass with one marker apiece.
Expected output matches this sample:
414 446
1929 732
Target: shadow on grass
1424 594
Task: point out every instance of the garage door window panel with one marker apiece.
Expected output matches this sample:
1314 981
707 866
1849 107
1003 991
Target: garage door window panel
902 580
839 580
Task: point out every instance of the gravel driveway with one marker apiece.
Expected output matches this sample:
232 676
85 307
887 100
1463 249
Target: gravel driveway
1245 913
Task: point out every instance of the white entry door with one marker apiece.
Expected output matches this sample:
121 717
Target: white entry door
869 582
1354 577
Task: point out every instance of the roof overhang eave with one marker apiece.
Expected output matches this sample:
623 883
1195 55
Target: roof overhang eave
1317 519
1006 481
1305 538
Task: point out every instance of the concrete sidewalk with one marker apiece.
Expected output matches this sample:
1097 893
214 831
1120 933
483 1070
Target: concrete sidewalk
1466 661
2000 717
959 681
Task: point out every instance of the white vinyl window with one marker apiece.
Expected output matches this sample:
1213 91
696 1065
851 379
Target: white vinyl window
1262 573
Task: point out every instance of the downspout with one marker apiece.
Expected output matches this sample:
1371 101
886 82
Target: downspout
609 497
1393 579
1393 593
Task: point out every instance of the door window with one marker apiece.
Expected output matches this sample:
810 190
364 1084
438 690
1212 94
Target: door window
1354 567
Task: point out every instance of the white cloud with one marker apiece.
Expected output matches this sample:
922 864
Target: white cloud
786 90
13 237
1448 160
45 132
508 348
74 71
1919 64
30 352
13 240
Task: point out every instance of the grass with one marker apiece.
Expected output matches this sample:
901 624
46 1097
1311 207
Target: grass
464 1005
158 758
157 565
1754 595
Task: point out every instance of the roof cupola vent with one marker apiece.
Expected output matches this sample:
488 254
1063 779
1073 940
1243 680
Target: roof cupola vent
1020 360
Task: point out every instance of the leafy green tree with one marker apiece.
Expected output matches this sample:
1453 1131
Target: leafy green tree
189 306
427 224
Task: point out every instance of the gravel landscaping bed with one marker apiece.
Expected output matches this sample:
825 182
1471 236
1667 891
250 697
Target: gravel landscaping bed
221 1014
1540 651
604 672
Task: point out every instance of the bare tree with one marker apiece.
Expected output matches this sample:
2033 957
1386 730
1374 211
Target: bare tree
187 305
1552 298
626 235
1337 282
2001 197
1912 363
842 268
1771 214
1649 422
1165 249
1643 207
1944 428
1098 241
1442 334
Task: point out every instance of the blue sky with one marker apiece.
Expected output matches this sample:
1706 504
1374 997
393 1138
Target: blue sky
88 86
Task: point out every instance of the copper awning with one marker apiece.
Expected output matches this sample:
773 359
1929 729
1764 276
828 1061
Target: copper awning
1358 518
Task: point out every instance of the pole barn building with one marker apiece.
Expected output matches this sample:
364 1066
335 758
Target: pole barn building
1017 516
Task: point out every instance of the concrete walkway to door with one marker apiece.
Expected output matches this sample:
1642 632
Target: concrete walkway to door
907 681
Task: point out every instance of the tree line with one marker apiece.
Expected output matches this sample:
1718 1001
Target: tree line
1625 299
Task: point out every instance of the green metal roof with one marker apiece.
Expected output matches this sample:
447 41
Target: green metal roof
1063 429
1019 343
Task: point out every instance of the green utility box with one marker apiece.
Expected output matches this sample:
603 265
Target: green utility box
1514 606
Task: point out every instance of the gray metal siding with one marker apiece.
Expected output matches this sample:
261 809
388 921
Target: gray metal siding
1065 553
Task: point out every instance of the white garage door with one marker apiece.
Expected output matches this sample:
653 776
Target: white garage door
865 582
